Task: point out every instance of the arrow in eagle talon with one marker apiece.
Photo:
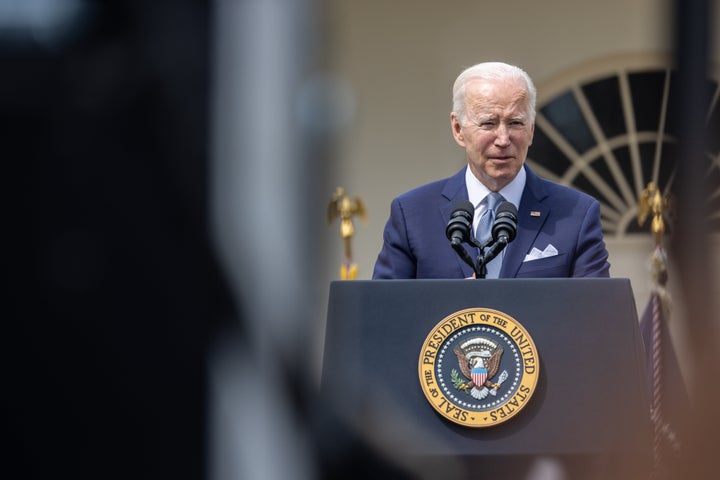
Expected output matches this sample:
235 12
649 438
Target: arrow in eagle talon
496 386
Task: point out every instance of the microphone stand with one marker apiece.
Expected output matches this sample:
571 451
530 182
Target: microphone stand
479 265
465 256
481 272
494 247
482 260
490 250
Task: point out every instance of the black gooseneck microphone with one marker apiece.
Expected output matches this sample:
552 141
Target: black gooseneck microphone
459 228
459 231
504 229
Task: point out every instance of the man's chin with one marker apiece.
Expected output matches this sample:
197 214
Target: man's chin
502 176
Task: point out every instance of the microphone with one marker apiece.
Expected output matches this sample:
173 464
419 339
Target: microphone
505 224
504 229
459 231
459 228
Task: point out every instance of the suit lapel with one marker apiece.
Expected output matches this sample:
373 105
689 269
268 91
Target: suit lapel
531 217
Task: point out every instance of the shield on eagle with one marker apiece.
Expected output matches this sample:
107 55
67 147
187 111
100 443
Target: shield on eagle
479 373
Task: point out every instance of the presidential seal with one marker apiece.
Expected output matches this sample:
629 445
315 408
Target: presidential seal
478 367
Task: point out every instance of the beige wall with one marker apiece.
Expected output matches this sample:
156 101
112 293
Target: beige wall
401 57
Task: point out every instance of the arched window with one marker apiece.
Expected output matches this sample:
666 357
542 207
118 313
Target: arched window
609 131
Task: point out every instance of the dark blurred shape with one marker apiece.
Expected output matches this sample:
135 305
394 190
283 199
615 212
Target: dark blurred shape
115 290
690 242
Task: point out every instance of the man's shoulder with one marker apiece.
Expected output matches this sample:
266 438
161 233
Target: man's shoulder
560 190
562 193
448 186
432 188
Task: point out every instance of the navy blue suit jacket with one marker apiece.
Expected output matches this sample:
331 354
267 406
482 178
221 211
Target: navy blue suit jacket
415 244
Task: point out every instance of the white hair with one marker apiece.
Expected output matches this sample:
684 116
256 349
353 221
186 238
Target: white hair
491 71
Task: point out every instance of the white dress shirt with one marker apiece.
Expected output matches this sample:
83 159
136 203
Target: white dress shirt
477 192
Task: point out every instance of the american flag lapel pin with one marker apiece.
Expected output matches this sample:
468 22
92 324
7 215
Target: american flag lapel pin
534 213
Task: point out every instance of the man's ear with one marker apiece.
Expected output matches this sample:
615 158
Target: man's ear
532 132
457 130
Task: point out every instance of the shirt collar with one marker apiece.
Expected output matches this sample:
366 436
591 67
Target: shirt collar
512 192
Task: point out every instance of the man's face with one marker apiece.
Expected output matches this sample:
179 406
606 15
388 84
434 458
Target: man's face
496 132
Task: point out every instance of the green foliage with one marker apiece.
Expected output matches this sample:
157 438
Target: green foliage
457 381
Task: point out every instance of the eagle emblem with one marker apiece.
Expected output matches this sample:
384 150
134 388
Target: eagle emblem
478 386
479 361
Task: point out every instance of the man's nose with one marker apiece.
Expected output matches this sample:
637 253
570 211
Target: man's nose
502 135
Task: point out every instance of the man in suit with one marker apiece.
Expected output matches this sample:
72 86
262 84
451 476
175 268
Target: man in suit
559 233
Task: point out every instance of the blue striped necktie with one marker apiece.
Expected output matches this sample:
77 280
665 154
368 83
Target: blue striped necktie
484 230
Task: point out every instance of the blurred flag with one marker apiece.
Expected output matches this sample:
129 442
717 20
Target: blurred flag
668 395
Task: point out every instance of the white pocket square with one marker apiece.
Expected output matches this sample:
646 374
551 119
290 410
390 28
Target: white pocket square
536 254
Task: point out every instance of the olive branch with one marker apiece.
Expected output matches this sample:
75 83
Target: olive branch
457 381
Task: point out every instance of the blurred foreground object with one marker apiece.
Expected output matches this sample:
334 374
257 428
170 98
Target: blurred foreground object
341 205
668 397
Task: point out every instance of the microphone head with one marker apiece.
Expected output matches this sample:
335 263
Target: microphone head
459 226
464 208
506 208
505 221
